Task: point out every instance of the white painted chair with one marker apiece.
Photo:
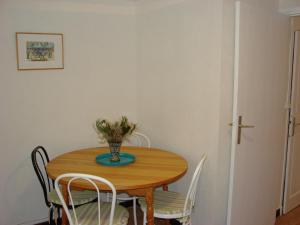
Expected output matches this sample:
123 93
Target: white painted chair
136 139
139 139
100 213
173 205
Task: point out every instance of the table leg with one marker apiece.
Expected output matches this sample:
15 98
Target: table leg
165 188
149 201
64 217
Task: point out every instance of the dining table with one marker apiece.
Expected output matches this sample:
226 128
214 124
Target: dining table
151 169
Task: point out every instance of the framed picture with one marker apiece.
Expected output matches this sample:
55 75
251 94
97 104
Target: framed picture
39 51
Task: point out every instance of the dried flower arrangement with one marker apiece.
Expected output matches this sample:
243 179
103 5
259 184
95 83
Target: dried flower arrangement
114 132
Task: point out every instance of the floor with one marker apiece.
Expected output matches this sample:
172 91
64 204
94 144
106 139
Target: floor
140 218
292 218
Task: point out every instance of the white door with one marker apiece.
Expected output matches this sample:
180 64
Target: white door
292 189
260 83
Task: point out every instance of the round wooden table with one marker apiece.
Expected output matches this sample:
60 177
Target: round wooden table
152 168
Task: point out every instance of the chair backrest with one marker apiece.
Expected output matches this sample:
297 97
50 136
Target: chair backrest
40 158
139 139
191 194
91 179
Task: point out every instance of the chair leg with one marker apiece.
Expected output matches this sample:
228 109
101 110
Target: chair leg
187 222
58 216
55 215
134 211
51 215
145 219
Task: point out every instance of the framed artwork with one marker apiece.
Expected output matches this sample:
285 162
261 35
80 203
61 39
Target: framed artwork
39 51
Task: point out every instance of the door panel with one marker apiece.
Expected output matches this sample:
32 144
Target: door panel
261 69
292 195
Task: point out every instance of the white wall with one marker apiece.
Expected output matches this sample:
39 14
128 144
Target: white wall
56 108
289 3
290 7
179 74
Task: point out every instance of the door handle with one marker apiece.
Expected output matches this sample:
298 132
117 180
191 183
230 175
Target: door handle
240 126
294 126
246 126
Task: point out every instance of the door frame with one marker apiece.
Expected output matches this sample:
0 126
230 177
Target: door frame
234 107
295 26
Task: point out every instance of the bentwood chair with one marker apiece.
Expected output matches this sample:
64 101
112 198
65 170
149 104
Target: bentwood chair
173 205
40 158
139 139
136 139
96 213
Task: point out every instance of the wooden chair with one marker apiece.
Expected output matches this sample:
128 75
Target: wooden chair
100 213
40 158
173 205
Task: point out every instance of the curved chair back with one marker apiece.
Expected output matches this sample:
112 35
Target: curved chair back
190 197
88 178
139 139
40 158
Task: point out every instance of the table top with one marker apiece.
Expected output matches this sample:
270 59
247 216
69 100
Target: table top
152 168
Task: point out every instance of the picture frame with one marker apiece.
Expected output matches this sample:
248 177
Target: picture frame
39 51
